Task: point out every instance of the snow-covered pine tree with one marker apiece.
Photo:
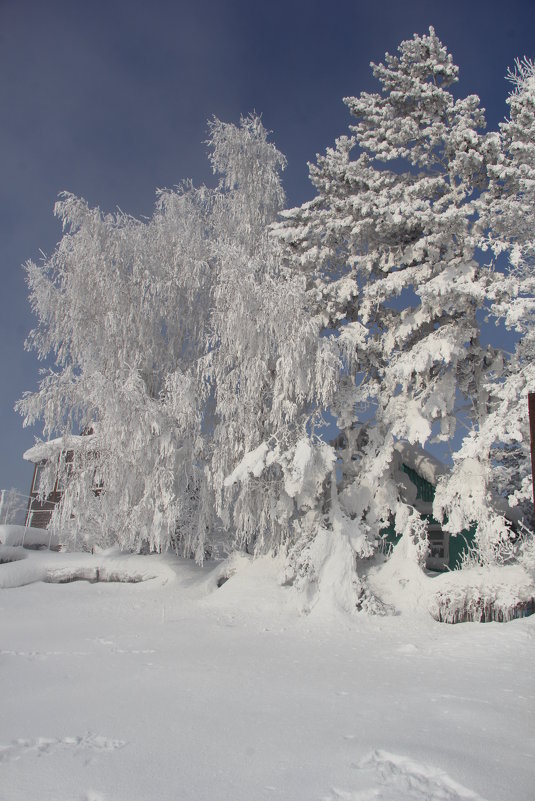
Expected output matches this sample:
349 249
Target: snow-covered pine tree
495 457
388 244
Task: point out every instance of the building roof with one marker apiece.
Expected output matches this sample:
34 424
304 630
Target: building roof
48 450
421 461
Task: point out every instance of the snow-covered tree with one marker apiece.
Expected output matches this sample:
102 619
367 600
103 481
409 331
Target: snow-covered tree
119 309
388 244
268 369
494 460
184 345
204 346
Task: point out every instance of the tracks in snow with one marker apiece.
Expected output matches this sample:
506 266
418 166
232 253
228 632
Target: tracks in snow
398 778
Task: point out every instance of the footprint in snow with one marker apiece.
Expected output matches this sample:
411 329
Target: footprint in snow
227 621
117 650
408 648
43 746
39 655
398 778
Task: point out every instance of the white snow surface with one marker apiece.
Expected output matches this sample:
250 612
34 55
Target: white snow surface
171 688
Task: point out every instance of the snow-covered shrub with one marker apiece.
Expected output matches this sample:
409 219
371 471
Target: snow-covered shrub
482 595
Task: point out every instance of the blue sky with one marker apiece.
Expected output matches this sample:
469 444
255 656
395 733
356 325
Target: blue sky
110 100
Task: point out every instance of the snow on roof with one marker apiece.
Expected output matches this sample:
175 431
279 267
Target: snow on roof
48 450
421 461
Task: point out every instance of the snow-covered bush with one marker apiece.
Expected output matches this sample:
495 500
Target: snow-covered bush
483 595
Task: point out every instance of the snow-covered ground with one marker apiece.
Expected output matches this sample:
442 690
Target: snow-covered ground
171 689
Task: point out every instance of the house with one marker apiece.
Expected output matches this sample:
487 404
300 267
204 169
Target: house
418 474
39 511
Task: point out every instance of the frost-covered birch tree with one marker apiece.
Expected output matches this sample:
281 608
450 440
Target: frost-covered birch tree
119 310
268 369
184 345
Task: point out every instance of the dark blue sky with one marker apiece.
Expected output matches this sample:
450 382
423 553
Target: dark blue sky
110 100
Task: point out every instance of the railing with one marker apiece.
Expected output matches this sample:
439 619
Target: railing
16 509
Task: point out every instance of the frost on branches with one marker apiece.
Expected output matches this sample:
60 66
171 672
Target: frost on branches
205 346
494 459
183 344
267 367
106 303
389 246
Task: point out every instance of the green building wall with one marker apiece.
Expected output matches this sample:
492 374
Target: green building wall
458 543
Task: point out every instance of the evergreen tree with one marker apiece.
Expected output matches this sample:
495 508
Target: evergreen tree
492 469
388 244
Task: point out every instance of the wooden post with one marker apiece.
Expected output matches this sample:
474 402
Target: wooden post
531 407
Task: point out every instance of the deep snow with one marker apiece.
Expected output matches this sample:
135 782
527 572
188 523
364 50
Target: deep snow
171 688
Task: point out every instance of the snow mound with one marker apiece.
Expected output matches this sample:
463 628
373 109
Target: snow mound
10 554
19 567
323 579
228 568
28 537
478 595
482 595
398 778
399 582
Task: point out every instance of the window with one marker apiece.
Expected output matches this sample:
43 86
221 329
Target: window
38 472
438 556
